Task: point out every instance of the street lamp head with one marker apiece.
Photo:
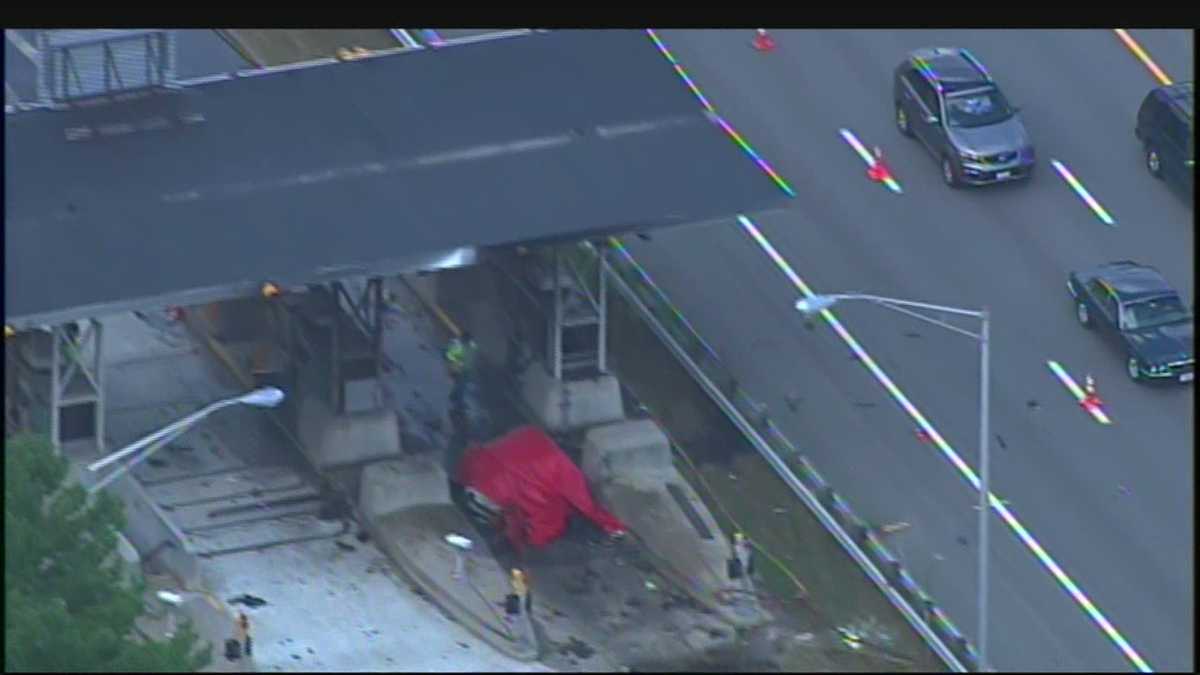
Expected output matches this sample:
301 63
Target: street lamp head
267 397
815 303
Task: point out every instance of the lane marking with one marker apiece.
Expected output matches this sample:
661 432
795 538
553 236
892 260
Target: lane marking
867 157
1142 55
997 505
1082 192
21 44
1044 558
1076 391
726 126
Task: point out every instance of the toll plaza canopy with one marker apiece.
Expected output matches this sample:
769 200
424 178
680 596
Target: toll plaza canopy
377 166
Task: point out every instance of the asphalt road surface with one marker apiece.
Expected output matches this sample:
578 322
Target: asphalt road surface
1113 505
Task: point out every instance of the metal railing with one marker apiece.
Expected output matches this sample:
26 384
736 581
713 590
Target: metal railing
855 535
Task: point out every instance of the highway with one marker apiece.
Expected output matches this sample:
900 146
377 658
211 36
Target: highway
1112 505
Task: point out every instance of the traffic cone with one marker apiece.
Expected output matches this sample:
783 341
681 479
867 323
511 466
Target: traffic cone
762 41
879 170
1090 398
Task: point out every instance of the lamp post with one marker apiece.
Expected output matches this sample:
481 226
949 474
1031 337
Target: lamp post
818 303
267 397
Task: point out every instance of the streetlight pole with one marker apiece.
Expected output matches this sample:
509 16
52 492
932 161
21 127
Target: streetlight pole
268 397
984 485
817 303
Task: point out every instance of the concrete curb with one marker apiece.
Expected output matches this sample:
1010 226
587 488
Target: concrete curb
453 608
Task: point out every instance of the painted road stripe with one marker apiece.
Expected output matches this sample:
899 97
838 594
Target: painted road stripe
867 157
999 506
726 126
1142 55
1044 558
1086 196
21 44
1065 377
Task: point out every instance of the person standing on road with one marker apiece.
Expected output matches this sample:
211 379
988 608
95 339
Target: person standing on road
460 361
243 632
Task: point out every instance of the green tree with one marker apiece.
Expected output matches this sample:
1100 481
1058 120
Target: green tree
66 605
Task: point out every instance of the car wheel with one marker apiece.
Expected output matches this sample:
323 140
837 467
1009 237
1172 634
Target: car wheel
902 121
1153 162
1131 366
948 174
1081 312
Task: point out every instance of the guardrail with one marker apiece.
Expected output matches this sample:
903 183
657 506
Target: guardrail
854 534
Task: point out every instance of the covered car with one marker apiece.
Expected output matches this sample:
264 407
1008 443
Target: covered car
533 486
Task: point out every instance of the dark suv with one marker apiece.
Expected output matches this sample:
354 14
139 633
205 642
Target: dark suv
1165 128
947 99
1134 307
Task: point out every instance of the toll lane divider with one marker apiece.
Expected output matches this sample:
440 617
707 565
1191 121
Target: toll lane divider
1141 55
998 505
962 651
856 537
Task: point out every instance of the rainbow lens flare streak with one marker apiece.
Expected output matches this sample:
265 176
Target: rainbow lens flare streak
620 248
1083 193
1044 558
762 163
1069 383
850 138
1142 55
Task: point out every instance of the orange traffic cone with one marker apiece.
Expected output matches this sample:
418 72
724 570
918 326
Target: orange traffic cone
879 170
1090 398
762 41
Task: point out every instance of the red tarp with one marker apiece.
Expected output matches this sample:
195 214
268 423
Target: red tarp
535 484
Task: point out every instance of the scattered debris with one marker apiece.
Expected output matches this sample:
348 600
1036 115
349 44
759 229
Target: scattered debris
1124 490
1000 441
779 510
793 402
962 540
1032 404
251 601
363 536
912 334
464 645
650 585
345 546
156 462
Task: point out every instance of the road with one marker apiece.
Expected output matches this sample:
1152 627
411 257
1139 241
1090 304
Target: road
1112 505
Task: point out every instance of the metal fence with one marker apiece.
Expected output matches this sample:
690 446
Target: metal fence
751 417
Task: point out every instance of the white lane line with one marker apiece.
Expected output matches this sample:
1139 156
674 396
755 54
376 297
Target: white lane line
997 504
21 44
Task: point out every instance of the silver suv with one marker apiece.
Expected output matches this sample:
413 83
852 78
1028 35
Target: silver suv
947 100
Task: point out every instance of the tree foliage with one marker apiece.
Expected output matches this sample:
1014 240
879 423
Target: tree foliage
67 607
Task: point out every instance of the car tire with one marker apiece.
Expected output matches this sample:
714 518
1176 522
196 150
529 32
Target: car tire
1153 161
902 121
1132 369
949 175
1081 313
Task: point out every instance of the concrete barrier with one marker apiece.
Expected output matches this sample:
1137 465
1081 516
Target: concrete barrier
569 405
630 466
331 441
406 506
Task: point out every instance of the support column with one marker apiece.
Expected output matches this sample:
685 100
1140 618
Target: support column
602 310
55 388
556 346
74 381
98 380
